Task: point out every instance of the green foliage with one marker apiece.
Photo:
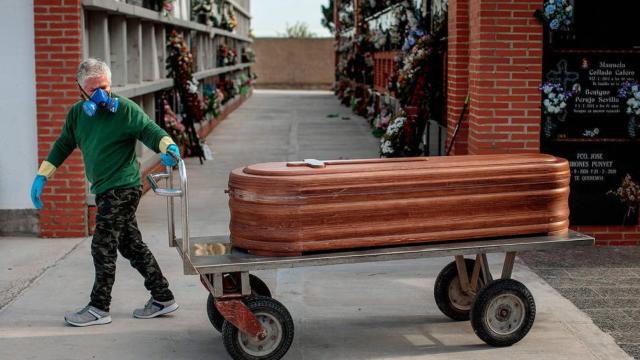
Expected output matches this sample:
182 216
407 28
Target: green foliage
327 16
298 30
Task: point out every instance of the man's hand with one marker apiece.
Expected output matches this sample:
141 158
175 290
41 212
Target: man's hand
167 159
36 190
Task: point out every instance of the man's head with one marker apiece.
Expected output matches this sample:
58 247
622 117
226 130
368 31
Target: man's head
94 80
94 74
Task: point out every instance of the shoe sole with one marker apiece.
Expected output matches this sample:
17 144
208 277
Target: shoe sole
102 321
169 309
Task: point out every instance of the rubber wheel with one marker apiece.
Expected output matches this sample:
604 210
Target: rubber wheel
275 319
450 298
503 312
258 287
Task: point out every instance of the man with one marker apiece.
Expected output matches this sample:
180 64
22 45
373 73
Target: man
106 128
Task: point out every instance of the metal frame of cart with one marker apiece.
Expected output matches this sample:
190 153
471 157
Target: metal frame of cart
256 326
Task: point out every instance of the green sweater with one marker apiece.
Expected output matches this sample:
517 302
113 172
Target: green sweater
108 143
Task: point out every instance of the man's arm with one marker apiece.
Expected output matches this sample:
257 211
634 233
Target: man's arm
151 135
60 150
156 139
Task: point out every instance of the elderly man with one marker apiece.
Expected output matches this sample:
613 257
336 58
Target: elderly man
106 128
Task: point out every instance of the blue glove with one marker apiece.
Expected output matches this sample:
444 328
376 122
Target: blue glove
166 159
36 190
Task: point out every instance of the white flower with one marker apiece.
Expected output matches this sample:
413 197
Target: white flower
386 147
546 102
552 95
563 105
634 88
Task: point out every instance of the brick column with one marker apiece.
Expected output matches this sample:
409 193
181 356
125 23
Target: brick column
58 50
457 72
505 65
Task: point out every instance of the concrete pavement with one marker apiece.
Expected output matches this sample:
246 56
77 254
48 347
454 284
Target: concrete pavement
604 282
364 311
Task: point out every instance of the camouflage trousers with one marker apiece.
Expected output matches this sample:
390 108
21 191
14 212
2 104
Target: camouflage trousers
117 230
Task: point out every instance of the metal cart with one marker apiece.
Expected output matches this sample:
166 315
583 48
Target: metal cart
256 326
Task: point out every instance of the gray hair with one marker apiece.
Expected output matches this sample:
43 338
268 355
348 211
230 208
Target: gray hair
91 68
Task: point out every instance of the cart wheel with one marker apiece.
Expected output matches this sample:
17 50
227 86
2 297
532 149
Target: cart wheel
277 322
450 298
258 287
503 312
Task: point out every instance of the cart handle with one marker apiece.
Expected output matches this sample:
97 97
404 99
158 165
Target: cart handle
171 193
151 178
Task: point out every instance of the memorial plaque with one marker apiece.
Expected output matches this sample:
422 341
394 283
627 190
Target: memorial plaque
598 170
595 111
593 57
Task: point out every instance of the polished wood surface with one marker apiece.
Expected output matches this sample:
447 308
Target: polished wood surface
291 208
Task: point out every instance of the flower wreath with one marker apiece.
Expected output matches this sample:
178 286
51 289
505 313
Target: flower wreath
558 14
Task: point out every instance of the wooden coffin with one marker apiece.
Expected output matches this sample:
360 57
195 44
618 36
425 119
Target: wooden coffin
284 209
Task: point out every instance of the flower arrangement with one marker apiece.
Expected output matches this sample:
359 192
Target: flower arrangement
247 55
173 126
380 122
629 194
345 14
371 7
226 56
554 104
206 12
233 19
164 6
630 91
228 19
167 7
244 83
391 144
413 69
213 99
180 66
558 14
555 98
228 88
410 40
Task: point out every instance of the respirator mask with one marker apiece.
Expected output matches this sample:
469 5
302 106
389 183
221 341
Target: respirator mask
98 99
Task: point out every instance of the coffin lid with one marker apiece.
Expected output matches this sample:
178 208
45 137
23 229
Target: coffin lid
317 167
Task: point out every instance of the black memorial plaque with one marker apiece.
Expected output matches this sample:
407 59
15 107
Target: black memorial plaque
595 111
597 171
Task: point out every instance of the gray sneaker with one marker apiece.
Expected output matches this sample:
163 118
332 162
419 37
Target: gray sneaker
88 316
155 308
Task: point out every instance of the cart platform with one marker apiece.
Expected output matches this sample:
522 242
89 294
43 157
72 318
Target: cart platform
233 260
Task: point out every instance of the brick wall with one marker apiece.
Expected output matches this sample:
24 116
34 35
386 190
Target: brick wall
458 72
58 50
612 235
284 63
505 66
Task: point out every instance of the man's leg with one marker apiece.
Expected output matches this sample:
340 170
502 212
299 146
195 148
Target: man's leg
111 217
136 251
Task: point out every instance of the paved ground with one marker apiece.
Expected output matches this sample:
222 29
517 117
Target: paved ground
602 282
364 311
